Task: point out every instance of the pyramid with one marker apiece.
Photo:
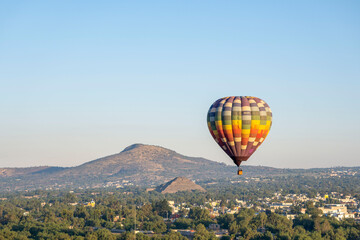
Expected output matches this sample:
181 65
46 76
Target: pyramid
179 184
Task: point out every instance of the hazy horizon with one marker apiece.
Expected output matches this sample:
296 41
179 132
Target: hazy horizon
83 80
229 163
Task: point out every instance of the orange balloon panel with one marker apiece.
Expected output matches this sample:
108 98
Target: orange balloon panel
239 125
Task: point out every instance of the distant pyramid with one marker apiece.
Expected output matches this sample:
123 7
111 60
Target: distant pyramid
179 184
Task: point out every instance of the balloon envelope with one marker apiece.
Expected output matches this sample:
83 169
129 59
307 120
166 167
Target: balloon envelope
239 125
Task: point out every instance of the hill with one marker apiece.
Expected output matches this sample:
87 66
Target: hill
138 164
16 172
179 184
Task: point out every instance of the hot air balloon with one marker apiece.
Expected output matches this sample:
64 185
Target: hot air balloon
239 125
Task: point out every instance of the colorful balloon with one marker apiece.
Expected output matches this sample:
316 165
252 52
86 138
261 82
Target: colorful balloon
239 125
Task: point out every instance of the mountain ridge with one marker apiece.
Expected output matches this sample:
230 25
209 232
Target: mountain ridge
139 164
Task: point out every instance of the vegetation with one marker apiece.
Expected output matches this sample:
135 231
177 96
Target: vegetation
64 215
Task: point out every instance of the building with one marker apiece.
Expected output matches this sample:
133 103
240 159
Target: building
90 204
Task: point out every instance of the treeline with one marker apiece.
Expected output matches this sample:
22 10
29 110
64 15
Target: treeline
298 184
50 215
22 218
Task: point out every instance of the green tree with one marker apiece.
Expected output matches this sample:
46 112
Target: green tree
156 224
162 208
104 234
174 236
225 220
312 210
199 214
233 228
202 234
183 223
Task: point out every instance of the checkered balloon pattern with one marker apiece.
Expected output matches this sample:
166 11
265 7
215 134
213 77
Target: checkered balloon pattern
239 125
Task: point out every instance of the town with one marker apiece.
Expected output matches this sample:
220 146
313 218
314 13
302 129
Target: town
253 208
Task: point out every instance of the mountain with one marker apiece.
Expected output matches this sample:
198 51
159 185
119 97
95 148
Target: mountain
138 164
179 184
16 172
145 165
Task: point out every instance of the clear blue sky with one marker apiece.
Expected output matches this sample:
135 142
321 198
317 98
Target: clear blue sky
84 79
